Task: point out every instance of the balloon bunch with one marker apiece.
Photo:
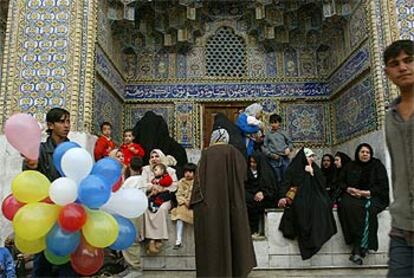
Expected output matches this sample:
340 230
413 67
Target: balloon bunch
76 216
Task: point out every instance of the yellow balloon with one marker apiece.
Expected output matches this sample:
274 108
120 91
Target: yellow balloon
35 220
101 229
30 186
30 247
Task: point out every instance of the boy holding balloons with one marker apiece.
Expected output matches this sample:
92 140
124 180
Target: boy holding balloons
58 127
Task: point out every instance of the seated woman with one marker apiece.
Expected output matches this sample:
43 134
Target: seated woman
328 170
260 189
309 216
341 160
155 223
365 193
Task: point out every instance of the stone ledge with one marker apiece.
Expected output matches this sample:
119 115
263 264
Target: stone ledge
274 251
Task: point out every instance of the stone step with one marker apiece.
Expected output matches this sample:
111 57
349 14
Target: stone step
274 251
320 273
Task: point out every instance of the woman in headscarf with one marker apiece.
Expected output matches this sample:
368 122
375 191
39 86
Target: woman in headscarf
235 136
365 193
328 170
223 244
250 125
309 214
341 160
155 224
261 189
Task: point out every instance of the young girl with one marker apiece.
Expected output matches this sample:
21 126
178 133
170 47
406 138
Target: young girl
158 195
182 213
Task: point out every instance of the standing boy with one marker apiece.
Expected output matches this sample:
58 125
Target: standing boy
129 148
277 147
399 130
104 145
58 127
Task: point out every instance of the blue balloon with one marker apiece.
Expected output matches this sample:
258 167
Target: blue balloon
127 233
93 192
108 169
60 150
62 243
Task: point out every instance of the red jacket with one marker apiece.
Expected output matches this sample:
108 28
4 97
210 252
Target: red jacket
103 147
165 181
128 153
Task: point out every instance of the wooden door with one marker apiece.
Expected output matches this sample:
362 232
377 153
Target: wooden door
231 110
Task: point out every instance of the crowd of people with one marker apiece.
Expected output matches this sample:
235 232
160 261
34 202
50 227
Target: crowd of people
248 168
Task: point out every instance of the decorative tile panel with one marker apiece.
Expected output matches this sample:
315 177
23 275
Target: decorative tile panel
291 62
305 122
107 108
358 28
108 72
354 111
353 67
257 65
196 64
187 131
271 67
218 92
134 112
181 65
405 11
49 59
161 65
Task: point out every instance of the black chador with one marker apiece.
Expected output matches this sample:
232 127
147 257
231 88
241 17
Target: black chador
309 218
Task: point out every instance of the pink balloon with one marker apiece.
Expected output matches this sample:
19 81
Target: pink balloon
24 134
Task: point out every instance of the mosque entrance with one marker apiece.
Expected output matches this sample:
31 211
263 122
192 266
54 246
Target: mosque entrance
231 110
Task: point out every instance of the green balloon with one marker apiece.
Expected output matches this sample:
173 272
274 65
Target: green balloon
56 260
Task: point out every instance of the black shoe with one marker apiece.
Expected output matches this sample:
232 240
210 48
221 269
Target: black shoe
356 259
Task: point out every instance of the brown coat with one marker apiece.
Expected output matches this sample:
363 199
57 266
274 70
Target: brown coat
223 243
183 196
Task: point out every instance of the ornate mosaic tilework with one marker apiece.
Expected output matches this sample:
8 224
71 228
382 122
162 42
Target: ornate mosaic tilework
269 106
256 64
218 92
354 111
354 66
195 61
161 64
134 112
291 62
358 27
108 72
187 131
405 11
305 122
44 64
145 65
307 63
271 67
107 107
181 65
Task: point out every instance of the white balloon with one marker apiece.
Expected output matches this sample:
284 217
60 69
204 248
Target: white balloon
128 202
63 191
76 164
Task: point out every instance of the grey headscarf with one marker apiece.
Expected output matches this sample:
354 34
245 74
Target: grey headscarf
219 136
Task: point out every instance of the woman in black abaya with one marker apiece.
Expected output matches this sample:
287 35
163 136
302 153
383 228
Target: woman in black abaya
365 193
309 216
328 170
261 189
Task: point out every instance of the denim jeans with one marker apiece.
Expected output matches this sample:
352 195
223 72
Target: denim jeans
279 167
401 258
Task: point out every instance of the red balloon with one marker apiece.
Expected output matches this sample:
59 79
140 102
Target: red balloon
10 206
117 185
87 260
47 200
72 217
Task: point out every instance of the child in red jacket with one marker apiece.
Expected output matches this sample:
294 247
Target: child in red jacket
130 149
158 194
104 145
